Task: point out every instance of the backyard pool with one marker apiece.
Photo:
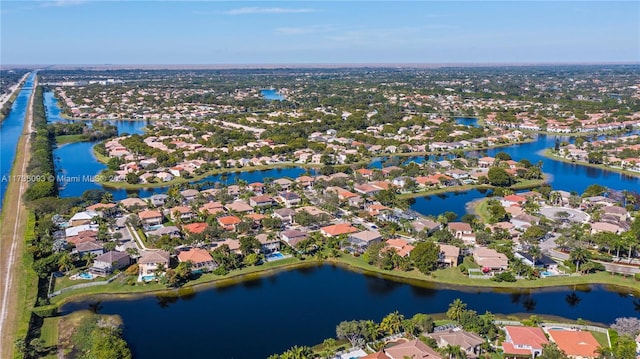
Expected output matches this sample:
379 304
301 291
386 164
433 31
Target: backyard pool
85 275
274 256
147 278
154 227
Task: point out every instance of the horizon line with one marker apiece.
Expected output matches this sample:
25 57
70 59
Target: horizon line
320 65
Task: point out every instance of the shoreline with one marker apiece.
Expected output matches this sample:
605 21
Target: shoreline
433 281
549 154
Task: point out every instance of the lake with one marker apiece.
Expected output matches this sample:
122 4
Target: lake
303 307
271 95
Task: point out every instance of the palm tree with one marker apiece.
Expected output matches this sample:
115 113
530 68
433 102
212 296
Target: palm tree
453 352
579 256
392 323
535 253
456 308
65 262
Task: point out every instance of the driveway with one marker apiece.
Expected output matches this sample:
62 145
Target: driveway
574 214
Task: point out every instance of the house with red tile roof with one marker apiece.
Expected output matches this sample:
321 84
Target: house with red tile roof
575 343
338 229
200 259
150 217
412 349
229 223
523 342
401 246
195 228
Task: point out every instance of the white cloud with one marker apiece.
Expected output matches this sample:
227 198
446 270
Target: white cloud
268 10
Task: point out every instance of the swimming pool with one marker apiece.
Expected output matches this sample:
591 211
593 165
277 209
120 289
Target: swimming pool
85 275
547 274
154 227
274 256
147 278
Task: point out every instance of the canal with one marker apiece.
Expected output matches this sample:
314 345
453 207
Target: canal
10 131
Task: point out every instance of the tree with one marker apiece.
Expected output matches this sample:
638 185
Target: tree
65 262
297 352
499 177
352 330
107 344
132 178
579 256
423 323
627 326
625 348
251 259
594 190
329 348
503 156
392 323
453 352
456 308
425 256
551 351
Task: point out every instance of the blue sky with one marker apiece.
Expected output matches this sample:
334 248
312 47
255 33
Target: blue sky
238 32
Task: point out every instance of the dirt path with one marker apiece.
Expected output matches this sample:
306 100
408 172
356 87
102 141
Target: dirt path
14 218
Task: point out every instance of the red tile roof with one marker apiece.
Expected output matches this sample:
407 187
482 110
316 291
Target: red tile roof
575 343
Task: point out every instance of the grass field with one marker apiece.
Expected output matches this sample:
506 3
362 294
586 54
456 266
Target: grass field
61 140
49 331
601 338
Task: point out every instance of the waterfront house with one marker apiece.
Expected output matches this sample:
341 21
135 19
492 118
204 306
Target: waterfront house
256 187
542 262
469 342
293 237
338 229
364 239
106 263
200 259
490 259
449 255
283 183
158 200
412 349
577 344
400 246
150 217
151 260
268 244
512 200
189 194
306 182
523 342
133 203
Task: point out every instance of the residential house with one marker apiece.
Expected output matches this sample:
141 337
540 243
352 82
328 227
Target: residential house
400 246
80 218
229 223
293 236
577 344
261 201
212 208
490 259
150 217
376 209
449 255
200 259
512 200
234 190
256 187
189 194
364 239
367 189
91 247
239 206
425 224
268 244
598 227
289 199
523 342
284 214
305 182
338 229
462 231
106 263
181 213
486 162
283 183
151 260
158 200
233 244
133 203
171 231
412 349
469 342
195 228
543 262
523 220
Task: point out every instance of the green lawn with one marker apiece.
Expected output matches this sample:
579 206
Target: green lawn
49 331
28 284
601 338
63 139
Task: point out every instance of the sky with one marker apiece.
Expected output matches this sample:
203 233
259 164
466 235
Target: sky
325 32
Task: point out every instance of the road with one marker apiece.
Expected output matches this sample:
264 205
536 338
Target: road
14 218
